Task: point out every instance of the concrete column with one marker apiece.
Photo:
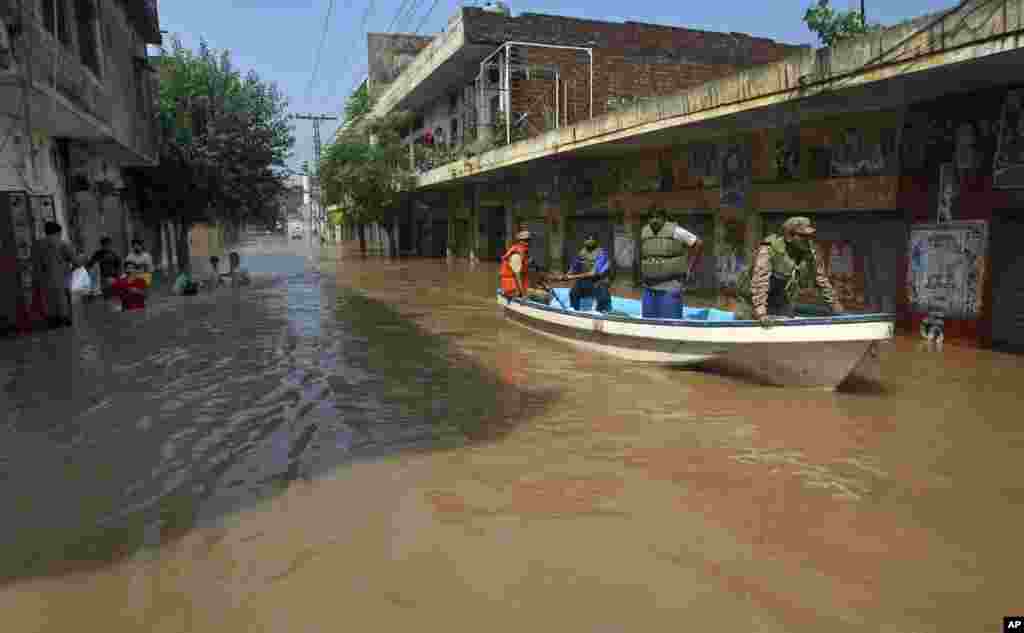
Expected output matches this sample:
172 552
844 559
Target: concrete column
472 198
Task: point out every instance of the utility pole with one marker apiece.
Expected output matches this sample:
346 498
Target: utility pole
314 197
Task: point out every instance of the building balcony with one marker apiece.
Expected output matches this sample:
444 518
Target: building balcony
451 59
974 47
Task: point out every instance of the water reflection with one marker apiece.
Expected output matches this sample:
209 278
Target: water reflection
205 405
330 471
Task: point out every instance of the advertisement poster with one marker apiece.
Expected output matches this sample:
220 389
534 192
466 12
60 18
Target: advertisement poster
947 268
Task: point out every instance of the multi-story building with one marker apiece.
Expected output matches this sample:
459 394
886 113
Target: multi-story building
905 146
76 106
491 78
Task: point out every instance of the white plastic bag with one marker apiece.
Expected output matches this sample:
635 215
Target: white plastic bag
80 280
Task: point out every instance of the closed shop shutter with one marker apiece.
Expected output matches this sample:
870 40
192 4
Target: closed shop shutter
1008 284
871 244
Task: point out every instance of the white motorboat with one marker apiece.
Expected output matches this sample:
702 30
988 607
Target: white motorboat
800 351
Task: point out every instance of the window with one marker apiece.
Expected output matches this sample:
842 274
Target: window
455 131
453 102
55 19
88 44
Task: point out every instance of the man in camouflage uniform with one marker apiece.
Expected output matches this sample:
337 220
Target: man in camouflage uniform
781 267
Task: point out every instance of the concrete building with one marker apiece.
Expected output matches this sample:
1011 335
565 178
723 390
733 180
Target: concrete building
905 147
77 94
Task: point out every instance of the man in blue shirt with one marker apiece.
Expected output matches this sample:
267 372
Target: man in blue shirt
590 272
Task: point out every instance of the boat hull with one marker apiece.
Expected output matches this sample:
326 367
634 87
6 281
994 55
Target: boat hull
817 355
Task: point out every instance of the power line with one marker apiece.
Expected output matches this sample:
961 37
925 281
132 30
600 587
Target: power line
401 8
405 21
320 49
426 16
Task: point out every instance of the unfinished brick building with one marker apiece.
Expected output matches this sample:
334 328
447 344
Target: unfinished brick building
530 73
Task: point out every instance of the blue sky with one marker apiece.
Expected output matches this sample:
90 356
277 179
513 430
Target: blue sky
279 38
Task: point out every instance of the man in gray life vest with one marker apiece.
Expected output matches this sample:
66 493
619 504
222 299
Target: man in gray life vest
667 256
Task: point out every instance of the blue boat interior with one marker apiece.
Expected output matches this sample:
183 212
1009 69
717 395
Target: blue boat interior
632 307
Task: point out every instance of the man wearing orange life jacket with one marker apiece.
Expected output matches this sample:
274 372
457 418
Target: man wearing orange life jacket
515 277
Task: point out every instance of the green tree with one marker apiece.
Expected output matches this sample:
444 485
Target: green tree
224 142
366 173
831 26
358 103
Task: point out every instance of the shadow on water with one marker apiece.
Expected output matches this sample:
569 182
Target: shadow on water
127 433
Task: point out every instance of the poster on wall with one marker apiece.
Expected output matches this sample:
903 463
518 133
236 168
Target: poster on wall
735 168
949 187
853 155
624 248
947 268
1008 169
845 269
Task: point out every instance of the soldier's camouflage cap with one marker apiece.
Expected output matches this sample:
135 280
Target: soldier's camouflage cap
798 224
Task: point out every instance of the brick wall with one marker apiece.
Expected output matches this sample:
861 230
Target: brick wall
631 60
706 47
618 74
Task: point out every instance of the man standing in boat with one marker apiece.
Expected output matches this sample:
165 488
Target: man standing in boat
782 266
590 272
667 255
515 276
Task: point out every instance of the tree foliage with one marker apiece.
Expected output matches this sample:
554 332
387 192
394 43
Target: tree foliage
225 138
831 25
358 103
366 171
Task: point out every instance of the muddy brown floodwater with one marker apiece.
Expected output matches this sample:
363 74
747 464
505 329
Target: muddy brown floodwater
369 446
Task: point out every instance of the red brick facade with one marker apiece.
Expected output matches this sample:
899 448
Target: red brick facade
631 60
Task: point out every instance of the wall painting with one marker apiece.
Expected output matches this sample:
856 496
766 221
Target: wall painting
947 268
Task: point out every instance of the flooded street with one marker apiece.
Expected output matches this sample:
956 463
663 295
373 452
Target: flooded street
364 444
